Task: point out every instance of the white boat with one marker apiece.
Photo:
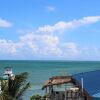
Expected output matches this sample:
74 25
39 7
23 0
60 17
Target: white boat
8 71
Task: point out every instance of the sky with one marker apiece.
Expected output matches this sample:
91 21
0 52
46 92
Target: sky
50 30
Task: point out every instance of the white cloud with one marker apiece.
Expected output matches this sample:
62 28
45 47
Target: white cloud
71 48
52 51
48 45
44 46
62 25
90 19
50 8
50 40
8 46
46 28
41 42
5 23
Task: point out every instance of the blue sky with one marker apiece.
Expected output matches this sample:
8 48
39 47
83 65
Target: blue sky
49 29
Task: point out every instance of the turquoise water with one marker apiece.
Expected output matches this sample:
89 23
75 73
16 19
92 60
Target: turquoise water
40 71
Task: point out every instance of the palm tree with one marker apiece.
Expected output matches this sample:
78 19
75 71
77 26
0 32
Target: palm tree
15 88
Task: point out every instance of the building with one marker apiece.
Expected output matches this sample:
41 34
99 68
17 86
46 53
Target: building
64 88
82 86
91 83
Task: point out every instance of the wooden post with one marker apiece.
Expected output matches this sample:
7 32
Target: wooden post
65 94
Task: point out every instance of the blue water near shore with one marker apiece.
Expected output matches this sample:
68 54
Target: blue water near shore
40 71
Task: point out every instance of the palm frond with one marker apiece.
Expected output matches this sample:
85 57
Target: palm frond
15 88
22 90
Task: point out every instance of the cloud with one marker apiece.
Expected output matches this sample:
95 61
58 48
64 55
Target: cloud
50 40
50 8
5 23
61 26
90 19
44 43
8 46
72 48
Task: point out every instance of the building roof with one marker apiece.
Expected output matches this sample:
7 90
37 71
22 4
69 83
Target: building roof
57 80
91 82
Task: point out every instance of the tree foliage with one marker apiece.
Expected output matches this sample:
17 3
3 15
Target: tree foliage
39 97
15 88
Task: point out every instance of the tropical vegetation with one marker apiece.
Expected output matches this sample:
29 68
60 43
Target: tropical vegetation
15 87
39 97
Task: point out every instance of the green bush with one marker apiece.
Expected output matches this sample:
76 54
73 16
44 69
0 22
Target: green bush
38 97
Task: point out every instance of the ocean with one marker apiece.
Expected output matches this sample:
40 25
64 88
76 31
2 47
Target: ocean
40 71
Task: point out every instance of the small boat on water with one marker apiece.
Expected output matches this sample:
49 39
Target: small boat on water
8 74
8 71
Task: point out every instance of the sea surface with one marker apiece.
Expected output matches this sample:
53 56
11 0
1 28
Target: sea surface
40 71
